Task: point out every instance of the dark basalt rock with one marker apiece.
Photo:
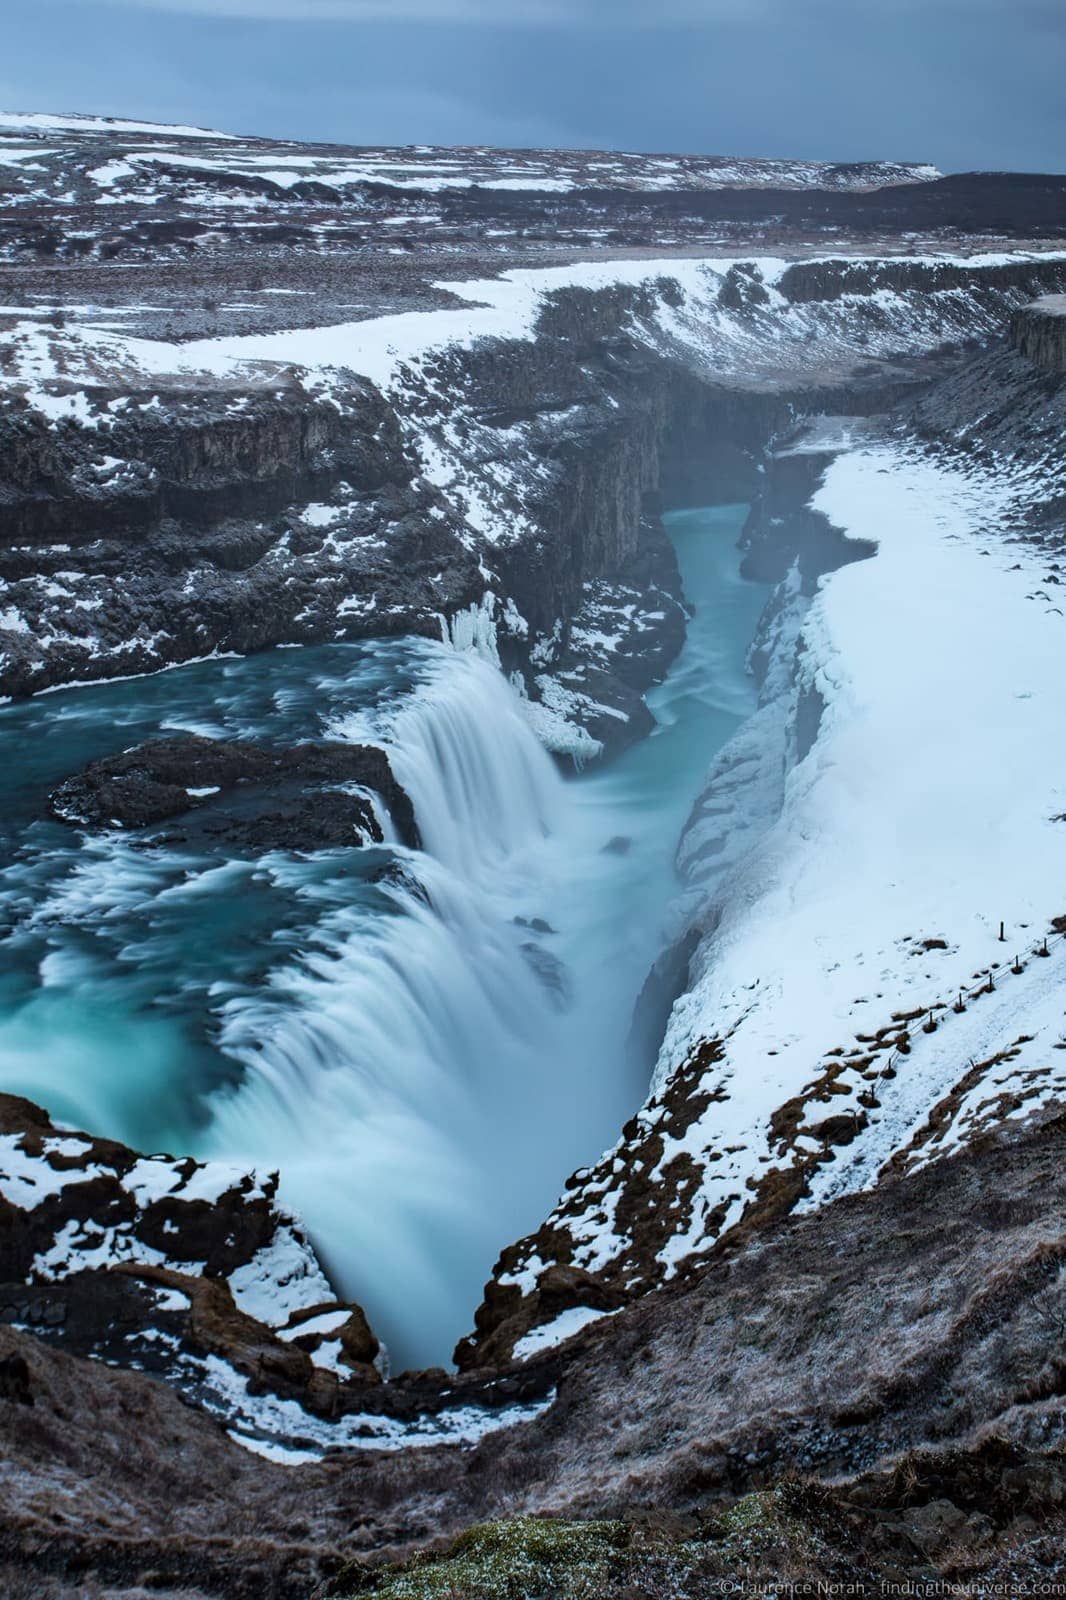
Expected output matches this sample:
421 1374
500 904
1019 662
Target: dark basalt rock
302 796
61 1278
220 1236
1038 331
15 1380
550 971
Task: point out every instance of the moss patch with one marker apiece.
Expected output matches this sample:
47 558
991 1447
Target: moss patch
765 1537
933 1517
529 1557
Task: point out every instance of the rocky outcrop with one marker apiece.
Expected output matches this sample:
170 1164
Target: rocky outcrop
1002 404
160 1263
198 522
1038 332
307 797
901 1345
195 1273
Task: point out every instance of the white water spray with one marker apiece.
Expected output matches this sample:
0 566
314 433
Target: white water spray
384 1066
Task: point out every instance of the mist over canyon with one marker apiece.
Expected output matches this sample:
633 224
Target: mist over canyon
532 1027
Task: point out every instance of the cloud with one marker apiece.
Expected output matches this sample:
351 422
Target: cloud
962 83
606 15
486 13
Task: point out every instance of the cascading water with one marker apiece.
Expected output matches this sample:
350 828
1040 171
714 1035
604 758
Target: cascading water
424 1042
390 1067
482 787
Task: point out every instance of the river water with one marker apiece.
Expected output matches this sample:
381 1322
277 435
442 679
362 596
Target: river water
425 1051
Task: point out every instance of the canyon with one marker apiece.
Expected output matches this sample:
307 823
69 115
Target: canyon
531 700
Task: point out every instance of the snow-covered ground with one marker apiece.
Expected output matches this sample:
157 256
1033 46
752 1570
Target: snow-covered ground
148 164
763 338
881 975
42 122
922 819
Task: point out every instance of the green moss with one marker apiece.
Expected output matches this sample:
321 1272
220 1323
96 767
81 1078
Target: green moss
769 1515
763 1538
520 1560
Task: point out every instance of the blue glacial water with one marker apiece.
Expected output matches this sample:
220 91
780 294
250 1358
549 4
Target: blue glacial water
423 1066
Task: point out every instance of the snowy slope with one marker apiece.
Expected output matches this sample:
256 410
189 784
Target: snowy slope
40 123
773 335
852 1007
924 815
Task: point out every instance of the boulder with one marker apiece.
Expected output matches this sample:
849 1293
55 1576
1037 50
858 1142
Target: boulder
303 797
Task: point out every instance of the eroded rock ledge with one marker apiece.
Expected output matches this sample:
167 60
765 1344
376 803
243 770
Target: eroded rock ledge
1038 331
305 797
147 1259
195 1273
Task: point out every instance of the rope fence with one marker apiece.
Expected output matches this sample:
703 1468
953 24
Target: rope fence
1040 950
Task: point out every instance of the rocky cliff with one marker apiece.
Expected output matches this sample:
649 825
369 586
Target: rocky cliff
900 1346
1038 331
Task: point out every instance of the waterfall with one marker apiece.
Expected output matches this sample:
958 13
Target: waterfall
483 789
378 1059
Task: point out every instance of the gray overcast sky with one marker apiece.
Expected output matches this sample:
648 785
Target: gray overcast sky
962 83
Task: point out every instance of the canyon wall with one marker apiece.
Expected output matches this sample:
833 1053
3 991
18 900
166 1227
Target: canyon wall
148 517
698 1169
1038 331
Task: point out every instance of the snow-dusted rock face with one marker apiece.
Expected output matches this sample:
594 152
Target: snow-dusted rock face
88 1222
192 1272
872 913
163 500
1039 332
